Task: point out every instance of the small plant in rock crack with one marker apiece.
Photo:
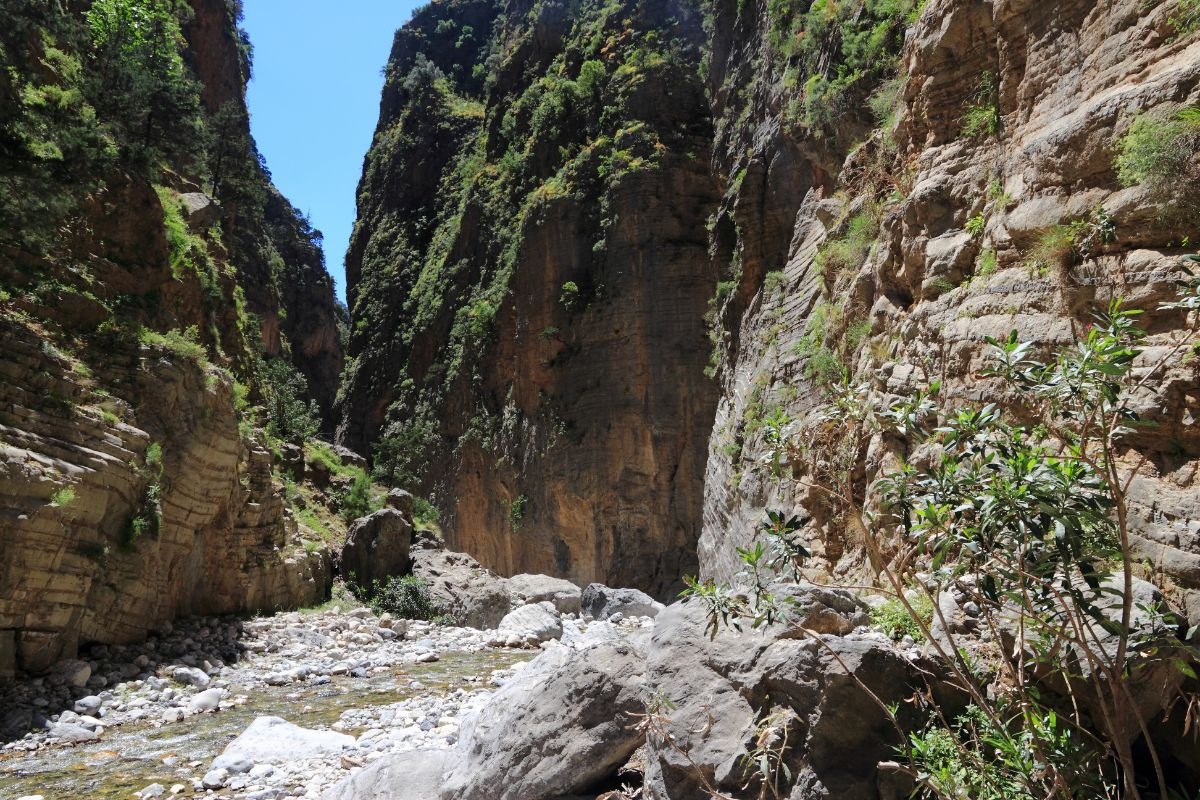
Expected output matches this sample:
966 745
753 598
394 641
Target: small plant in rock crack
765 763
776 432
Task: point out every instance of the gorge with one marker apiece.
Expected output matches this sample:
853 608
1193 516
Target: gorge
802 309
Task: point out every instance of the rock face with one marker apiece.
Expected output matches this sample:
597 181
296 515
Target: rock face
377 547
913 306
475 597
722 690
602 602
537 364
563 725
73 571
129 494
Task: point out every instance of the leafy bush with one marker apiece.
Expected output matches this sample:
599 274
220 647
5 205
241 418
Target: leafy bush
1186 18
896 620
289 417
185 344
846 253
358 501
1161 153
406 597
63 497
982 116
146 520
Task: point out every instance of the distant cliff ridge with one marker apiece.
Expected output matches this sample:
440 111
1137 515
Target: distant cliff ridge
528 282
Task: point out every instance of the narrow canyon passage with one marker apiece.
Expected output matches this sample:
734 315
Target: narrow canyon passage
724 399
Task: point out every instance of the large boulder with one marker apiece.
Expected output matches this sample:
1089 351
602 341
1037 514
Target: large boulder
475 597
274 740
718 692
416 775
562 726
539 622
526 588
377 547
601 602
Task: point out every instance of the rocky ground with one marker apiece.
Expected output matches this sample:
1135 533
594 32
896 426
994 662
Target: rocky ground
332 672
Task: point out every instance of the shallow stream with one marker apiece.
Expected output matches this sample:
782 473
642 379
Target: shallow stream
130 757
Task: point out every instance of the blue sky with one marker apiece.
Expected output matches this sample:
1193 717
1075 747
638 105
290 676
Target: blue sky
314 101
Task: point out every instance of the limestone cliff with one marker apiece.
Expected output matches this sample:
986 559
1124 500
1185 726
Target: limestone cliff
1000 132
528 282
560 194
147 268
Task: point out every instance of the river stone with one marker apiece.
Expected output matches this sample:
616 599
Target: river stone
273 739
208 700
72 672
602 602
475 597
215 778
563 724
539 621
88 705
527 588
153 790
415 775
192 677
72 732
377 547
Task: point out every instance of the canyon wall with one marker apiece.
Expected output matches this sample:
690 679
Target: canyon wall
148 271
528 283
563 197
932 235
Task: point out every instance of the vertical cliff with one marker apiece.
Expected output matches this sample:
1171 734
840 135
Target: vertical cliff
528 283
151 283
984 197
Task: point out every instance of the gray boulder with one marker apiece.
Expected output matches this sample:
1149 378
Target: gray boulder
192 677
564 724
527 588
413 776
273 739
72 672
602 602
838 734
202 211
73 732
377 547
475 597
208 700
538 621
400 500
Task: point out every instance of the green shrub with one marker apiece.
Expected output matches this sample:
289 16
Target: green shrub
846 253
1186 18
284 388
1160 152
896 620
358 501
406 597
185 344
570 295
976 224
425 513
982 116
63 497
